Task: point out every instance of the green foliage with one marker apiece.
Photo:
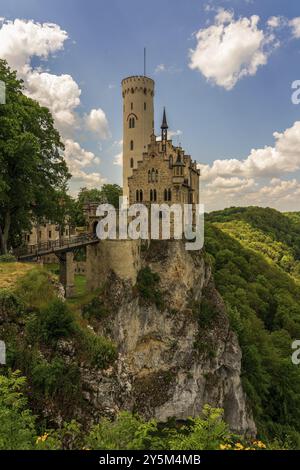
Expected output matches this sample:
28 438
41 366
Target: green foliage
58 381
33 171
95 309
51 323
127 432
254 255
17 424
36 289
11 306
98 351
147 285
204 433
7 258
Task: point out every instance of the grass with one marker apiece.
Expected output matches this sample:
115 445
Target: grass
10 273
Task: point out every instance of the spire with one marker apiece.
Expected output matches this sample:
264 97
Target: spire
164 124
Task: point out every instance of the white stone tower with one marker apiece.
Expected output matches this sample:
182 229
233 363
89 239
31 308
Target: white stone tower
138 122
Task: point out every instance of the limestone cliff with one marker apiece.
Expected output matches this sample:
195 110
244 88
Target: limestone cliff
173 359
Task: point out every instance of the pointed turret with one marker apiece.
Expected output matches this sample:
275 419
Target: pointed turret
164 131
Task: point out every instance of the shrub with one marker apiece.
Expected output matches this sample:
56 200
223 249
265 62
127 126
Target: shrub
8 258
147 285
99 351
11 306
127 432
95 309
17 424
51 323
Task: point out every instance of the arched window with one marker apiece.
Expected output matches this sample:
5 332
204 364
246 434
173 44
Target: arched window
153 175
156 176
137 195
169 195
141 195
165 195
131 145
154 195
145 106
133 123
149 176
131 162
151 195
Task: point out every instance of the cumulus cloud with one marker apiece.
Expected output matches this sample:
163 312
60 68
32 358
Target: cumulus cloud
230 49
295 25
96 122
257 179
20 42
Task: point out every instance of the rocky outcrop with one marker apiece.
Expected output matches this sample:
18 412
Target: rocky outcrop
173 359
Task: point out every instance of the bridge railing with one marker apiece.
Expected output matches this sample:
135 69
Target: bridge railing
54 245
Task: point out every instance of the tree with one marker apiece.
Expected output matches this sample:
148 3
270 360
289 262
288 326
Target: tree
33 169
109 193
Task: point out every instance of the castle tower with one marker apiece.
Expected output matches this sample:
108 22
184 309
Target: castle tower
138 122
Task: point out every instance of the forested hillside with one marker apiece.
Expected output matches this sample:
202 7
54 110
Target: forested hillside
255 254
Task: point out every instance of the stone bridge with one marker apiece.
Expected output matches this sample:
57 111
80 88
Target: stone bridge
64 249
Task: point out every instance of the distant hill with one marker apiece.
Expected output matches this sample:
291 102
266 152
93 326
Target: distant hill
255 254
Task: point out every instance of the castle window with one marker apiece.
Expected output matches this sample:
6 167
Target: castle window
131 163
151 195
145 106
141 195
131 123
165 195
50 234
131 145
156 176
169 195
153 175
131 106
154 195
137 195
149 176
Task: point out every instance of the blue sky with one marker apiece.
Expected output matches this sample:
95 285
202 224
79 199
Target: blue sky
104 42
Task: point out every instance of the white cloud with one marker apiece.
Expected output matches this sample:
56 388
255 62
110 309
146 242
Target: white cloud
77 159
20 42
96 122
118 159
295 25
230 49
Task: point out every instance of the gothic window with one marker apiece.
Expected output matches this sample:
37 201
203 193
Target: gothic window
145 106
141 195
151 195
131 145
169 195
153 175
154 195
133 123
165 195
131 163
137 195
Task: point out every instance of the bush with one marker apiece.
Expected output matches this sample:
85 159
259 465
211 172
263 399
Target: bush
51 323
95 309
147 285
127 432
99 351
11 306
56 379
8 258
17 424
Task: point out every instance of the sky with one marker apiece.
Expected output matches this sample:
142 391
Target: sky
224 69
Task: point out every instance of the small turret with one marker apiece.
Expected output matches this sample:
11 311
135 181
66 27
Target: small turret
164 131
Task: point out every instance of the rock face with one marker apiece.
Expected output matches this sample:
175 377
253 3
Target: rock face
172 360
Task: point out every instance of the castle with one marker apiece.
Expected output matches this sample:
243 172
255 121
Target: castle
154 170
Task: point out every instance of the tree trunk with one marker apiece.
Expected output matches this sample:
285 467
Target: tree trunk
4 233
